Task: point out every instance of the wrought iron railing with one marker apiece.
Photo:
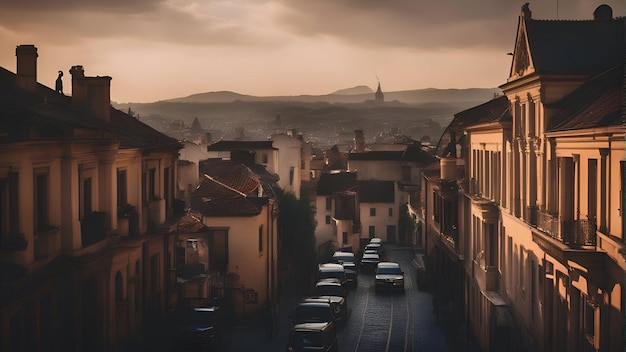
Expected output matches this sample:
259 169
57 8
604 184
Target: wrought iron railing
530 214
572 232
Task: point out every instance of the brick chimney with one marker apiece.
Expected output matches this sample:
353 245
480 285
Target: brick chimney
91 93
26 67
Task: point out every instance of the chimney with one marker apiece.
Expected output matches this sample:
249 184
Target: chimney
91 93
447 168
26 67
359 141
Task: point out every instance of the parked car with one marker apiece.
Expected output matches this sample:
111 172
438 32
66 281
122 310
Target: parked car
319 337
332 271
389 275
348 261
378 247
376 240
369 261
333 291
314 310
199 326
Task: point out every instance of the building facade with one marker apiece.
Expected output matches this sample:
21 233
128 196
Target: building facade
529 228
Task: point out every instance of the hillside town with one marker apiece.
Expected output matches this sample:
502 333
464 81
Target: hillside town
513 219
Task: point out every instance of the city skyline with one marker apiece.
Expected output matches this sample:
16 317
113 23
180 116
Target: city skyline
156 50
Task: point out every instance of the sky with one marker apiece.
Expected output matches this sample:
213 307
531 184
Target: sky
161 49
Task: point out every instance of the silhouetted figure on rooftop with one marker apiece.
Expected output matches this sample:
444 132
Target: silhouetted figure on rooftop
59 84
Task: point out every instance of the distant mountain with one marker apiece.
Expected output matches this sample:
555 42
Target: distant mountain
354 90
355 95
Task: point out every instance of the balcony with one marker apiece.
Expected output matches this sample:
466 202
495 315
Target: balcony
570 232
530 214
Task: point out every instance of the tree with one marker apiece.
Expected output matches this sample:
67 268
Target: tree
297 222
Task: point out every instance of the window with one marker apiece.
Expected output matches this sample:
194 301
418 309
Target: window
372 211
122 188
292 171
327 219
329 203
9 204
151 184
260 238
344 237
86 193
372 231
119 287
41 198
390 211
166 183
264 158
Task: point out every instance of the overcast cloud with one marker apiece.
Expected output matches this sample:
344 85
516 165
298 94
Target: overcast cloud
271 47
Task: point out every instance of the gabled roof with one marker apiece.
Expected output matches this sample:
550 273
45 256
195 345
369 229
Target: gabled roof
597 103
239 176
240 145
377 155
496 110
376 191
216 199
329 183
190 223
577 47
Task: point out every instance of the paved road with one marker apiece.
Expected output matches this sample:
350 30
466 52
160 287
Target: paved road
378 321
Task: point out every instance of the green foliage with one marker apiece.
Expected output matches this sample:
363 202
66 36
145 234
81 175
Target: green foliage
297 222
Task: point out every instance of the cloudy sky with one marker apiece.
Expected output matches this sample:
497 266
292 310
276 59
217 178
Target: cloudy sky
160 49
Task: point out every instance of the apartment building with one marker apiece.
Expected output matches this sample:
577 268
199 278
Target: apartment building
524 218
86 192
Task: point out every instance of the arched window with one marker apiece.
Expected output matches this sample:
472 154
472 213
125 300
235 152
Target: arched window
119 287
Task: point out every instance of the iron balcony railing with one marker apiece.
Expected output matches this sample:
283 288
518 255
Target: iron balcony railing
572 232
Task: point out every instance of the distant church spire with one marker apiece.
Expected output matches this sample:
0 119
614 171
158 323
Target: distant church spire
379 97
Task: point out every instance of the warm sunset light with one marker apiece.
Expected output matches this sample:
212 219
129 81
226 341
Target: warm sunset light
157 49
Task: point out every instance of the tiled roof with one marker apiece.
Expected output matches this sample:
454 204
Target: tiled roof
377 155
191 222
216 199
136 134
329 184
597 103
575 47
240 145
376 191
493 111
239 176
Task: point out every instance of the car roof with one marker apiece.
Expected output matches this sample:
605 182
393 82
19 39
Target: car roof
373 245
314 300
388 265
331 266
327 282
371 255
310 326
341 253
376 240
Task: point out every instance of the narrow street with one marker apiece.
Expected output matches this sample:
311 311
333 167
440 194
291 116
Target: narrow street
378 321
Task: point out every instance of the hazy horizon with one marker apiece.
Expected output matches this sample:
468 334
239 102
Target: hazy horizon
157 50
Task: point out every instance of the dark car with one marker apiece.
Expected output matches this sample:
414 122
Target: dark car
348 260
333 291
314 310
369 261
332 271
319 337
200 326
389 275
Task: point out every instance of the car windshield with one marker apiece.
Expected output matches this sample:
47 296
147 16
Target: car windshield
197 316
332 275
305 339
319 312
389 270
328 290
